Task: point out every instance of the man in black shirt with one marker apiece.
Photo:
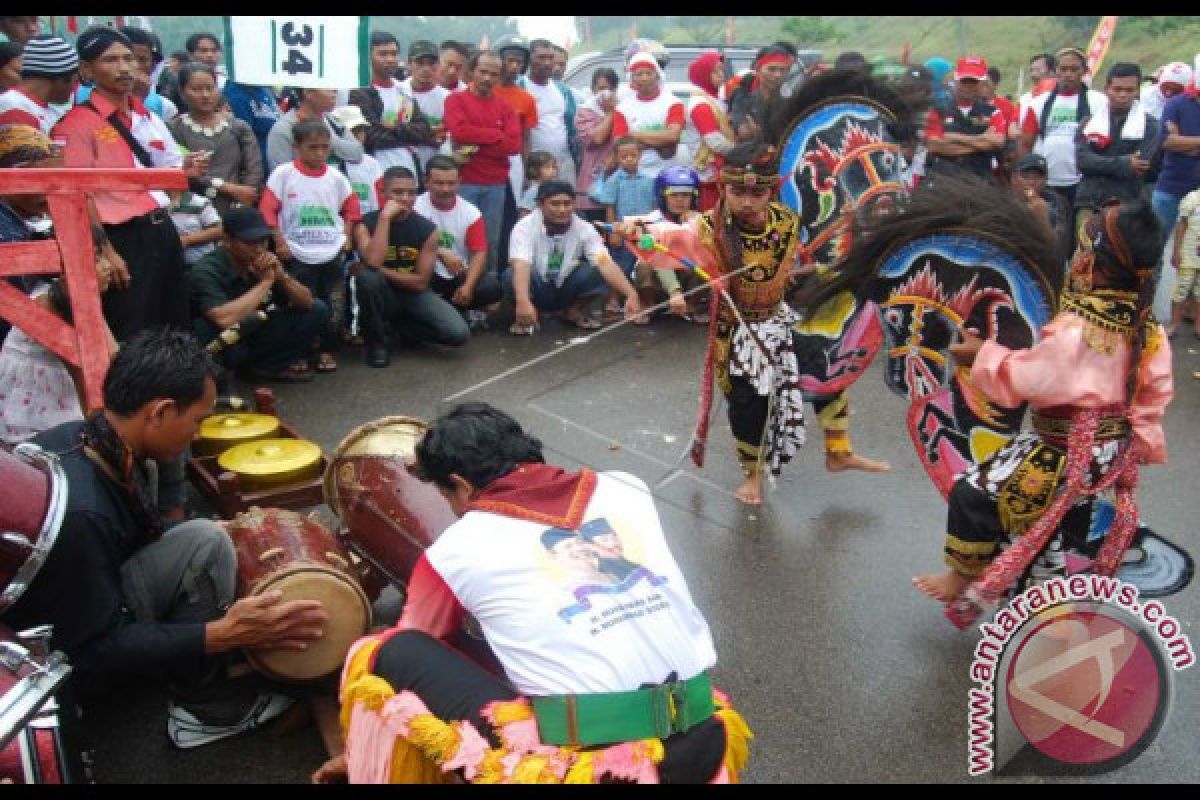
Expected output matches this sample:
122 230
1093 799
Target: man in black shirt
398 248
232 284
129 602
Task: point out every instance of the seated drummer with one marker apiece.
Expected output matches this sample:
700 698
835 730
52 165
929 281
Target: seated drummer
129 602
234 282
604 668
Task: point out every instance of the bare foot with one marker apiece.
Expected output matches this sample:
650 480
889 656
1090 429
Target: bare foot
944 586
840 462
750 492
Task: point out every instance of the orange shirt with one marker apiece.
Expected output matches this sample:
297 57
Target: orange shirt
521 102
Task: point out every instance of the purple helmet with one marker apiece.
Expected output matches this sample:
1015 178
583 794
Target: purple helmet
676 177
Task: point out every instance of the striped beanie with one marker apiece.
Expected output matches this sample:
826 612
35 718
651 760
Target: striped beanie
48 57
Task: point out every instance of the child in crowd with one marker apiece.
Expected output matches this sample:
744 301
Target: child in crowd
539 168
626 192
313 209
677 190
198 223
1186 260
366 176
37 390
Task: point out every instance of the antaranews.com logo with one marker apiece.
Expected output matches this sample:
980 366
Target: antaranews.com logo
1078 670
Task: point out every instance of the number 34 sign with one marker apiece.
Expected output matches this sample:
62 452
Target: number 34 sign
307 52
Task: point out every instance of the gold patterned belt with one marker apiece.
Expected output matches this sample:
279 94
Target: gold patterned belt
759 314
1055 424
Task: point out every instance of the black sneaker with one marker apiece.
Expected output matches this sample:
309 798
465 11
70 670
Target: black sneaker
377 355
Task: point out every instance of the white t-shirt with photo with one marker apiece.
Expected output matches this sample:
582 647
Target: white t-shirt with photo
555 257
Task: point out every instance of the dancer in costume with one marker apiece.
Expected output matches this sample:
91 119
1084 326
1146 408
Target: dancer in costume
1099 382
751 243
604 655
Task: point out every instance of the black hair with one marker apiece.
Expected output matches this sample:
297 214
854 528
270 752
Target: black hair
784 49
476 441
9 51
1049 59
606 72
195 39
458 47
553 189
537 159
787 47
560 49
182 56
144 38
541 44
191 68
442 162
851 59
99 236
1123 69
994 75
392 173
157 363
626 140
380 38
473 62
309 128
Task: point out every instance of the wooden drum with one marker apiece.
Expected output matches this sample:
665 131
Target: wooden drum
388 516
284 550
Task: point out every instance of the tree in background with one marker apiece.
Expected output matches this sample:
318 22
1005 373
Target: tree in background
812 30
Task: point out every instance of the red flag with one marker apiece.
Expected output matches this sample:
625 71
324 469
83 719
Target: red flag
1101 39
73 24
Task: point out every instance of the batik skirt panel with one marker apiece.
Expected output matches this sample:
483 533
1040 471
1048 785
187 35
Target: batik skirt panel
997 500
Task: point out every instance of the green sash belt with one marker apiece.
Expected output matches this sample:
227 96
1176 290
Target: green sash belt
611 717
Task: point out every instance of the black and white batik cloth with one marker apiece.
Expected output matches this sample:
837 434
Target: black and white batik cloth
773 372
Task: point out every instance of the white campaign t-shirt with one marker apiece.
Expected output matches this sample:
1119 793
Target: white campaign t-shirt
18 108
553 258
654 115
433 106
311 211
550 134
1058 143
458 228
365 178
567 614
393 106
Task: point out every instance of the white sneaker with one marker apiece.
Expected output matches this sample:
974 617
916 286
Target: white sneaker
186 729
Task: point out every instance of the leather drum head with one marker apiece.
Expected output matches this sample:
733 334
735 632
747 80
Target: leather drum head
349 617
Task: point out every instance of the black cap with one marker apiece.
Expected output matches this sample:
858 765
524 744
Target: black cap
1033 161
246 224
421 48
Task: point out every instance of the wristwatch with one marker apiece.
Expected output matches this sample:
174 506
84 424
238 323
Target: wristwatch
214 186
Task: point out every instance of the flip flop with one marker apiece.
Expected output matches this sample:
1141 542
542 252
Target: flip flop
582 322
326 363
517 329
293 374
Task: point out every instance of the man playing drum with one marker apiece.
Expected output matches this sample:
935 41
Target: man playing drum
128 601
604 668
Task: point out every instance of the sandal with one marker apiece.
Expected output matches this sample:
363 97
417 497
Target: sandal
326 363
517 329
582 321
296 373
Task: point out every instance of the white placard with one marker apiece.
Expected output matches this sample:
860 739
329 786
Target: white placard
302 51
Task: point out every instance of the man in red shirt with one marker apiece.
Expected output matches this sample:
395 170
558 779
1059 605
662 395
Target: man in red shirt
970 133
149 281
485 131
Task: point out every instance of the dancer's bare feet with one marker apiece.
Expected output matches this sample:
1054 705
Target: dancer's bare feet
840 462
750 492
944 586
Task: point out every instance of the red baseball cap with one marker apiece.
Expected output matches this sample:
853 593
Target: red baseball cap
971 68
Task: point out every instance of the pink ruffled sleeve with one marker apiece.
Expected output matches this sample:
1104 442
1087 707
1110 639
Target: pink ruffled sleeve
683 240
1012 377
1155 389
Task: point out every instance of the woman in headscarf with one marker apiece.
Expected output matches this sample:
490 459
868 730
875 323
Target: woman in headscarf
708 134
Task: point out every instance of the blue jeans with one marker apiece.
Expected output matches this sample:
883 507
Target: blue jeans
584 281
490 202
625 258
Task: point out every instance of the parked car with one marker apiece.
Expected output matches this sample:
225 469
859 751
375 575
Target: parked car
737 59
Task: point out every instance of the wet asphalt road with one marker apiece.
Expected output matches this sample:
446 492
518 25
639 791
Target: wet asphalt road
843 671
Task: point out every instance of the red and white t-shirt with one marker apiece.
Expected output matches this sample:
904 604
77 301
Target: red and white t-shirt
635 115
366 178
310 207
603 608
703 124
460 228
19 108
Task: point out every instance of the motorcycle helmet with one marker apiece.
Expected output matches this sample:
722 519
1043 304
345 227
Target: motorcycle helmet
677 177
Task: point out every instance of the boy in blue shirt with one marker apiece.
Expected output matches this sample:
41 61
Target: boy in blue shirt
627 192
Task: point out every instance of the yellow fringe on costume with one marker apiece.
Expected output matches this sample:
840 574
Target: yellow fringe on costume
432 742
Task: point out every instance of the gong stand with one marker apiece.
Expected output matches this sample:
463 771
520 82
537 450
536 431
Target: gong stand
224 490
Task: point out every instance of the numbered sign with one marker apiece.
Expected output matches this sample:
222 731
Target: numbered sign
307 52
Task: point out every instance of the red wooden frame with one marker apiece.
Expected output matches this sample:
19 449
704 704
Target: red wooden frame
85 344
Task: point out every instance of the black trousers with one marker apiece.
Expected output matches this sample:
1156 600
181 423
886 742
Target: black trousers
326 283
158 293
453 687
487 291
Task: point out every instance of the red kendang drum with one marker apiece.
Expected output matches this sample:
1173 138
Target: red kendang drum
33 747
388 516
33 500
283 550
